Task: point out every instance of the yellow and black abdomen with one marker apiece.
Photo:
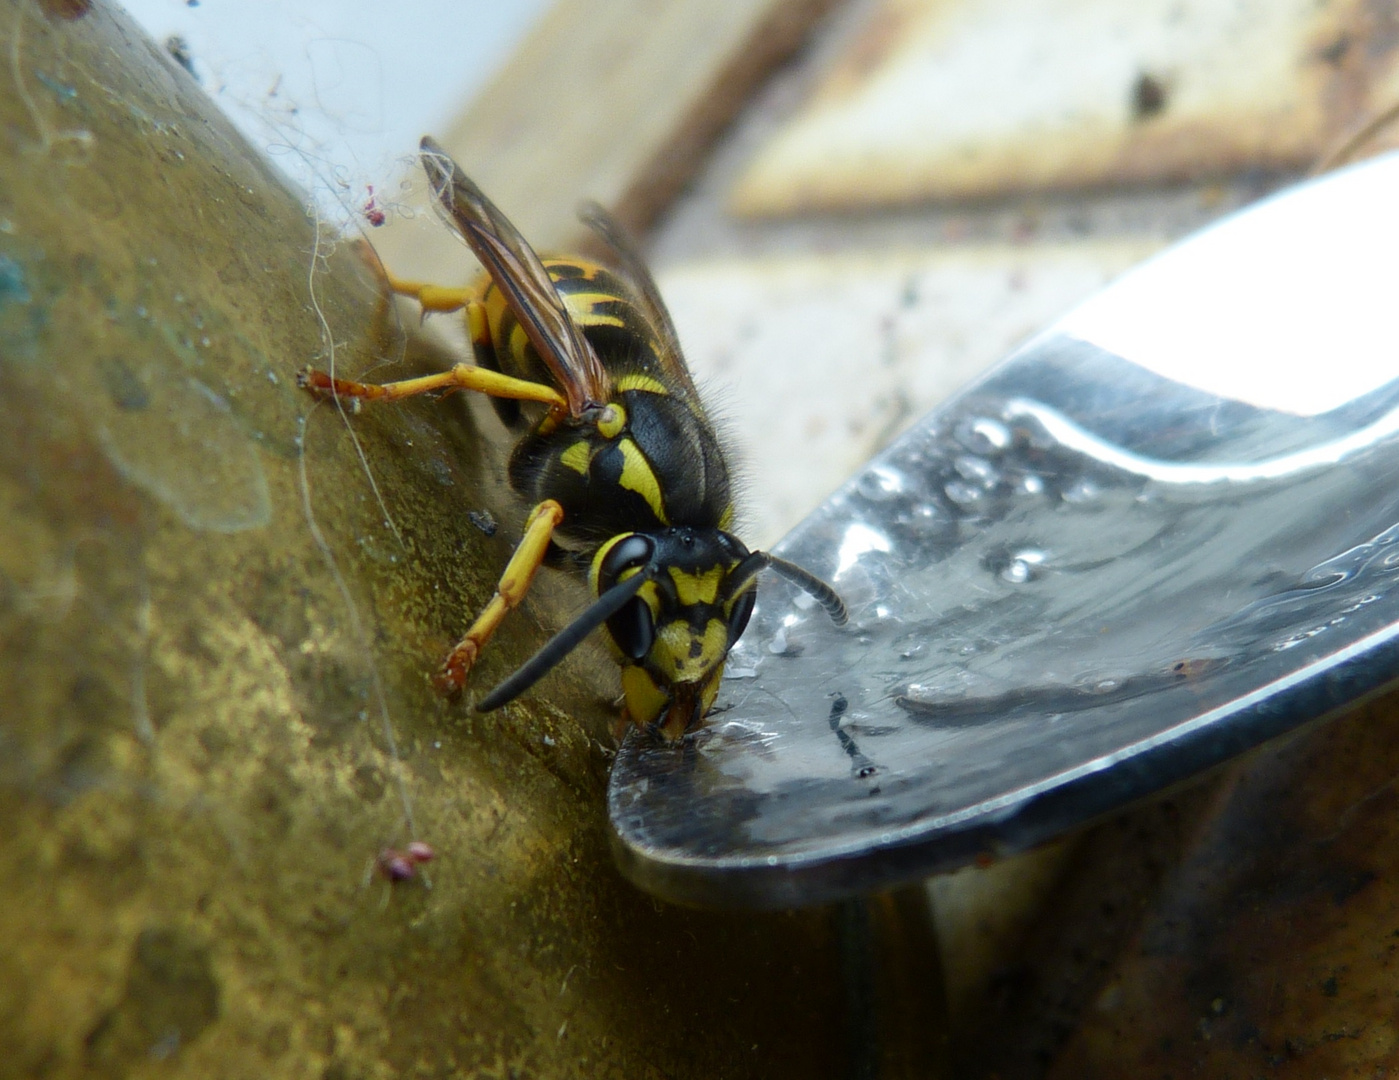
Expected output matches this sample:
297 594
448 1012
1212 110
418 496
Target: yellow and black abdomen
600 303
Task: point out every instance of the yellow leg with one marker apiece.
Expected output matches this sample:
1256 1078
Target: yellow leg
459 377
511 589
430 297
479 327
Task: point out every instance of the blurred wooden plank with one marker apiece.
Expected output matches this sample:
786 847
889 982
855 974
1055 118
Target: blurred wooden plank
616 102
938 99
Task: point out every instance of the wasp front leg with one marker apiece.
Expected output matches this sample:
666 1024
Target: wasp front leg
510 590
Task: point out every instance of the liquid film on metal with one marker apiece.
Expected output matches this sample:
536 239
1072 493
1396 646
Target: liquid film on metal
1084 578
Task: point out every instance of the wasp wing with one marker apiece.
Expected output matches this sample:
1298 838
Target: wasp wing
634 267
522 280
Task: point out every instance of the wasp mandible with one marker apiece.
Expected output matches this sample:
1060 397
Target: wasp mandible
627 479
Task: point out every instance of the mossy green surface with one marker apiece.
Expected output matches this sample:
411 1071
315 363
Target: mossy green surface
195 769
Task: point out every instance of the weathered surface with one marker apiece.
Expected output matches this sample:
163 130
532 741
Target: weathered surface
195 768
975 99
1271 949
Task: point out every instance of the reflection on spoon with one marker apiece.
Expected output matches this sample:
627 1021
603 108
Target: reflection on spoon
926 704
1071 435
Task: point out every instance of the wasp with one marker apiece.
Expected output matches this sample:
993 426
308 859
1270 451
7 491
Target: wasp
628 483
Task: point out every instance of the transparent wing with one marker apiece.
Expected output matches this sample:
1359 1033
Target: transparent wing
522 280
634 268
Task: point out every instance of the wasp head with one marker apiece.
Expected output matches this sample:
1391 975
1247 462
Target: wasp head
674 602
675 632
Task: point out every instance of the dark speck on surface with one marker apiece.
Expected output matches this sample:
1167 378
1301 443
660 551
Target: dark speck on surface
1149 97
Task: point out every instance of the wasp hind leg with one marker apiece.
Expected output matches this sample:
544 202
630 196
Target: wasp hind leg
458 377
431 298
509 591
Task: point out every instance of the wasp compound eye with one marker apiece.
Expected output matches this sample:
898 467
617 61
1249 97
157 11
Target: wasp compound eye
633 629
634 551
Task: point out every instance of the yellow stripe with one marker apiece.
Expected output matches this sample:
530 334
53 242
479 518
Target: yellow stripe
711 691
726 519
583 307
649 594
697 588
577 457
640 382
733 600
645 699
672 649
589 269
497 312
638 477
519 342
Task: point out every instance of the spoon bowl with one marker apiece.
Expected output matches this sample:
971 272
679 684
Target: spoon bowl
1163 531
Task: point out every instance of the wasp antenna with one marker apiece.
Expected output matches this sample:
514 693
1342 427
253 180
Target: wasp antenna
814 587
564 642
808 582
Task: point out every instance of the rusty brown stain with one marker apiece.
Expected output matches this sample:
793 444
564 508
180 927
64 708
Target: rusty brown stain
1344 54
1352 51
773 41
1169 152
869 50
1150 95
65 10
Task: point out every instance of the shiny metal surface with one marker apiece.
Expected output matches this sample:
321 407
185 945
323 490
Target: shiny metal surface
1091 574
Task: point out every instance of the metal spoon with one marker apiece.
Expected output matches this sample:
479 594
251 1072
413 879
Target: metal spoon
1161 532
